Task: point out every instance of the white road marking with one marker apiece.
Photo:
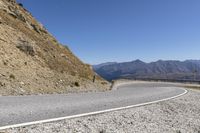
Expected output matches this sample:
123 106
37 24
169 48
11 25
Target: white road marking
89 114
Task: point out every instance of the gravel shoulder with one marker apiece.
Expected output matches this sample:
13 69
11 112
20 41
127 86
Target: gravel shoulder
180 115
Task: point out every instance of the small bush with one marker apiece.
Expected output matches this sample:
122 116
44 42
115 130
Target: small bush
102 131
20 4
2 84
26 48
104 83
73 73
5 63
12 76
35 28
76 84
66 47
62 71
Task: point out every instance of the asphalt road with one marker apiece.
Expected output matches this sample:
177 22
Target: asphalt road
21 109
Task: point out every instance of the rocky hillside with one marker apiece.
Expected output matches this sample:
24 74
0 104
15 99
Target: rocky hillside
186 70
33 62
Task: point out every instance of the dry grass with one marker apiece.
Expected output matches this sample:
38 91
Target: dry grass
192 87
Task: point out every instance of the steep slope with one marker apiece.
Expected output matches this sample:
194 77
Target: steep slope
33 62
189 69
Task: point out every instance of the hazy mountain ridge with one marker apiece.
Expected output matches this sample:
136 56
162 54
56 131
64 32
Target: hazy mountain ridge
189 69
103 64
33 61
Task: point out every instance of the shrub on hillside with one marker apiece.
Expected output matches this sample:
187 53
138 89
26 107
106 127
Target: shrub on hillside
26 48
76 84
12 76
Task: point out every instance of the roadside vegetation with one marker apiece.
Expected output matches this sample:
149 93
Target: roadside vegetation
192 87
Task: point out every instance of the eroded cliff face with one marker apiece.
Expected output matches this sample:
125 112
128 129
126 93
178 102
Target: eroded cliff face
33 62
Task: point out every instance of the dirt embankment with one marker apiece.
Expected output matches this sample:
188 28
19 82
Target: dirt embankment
32 61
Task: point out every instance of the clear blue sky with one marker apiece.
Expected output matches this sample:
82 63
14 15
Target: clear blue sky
123 30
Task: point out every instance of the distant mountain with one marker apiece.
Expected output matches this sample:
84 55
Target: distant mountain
103 64
189 70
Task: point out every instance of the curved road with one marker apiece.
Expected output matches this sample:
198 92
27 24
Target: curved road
22 109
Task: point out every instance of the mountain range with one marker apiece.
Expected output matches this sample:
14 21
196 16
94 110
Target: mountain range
137 69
